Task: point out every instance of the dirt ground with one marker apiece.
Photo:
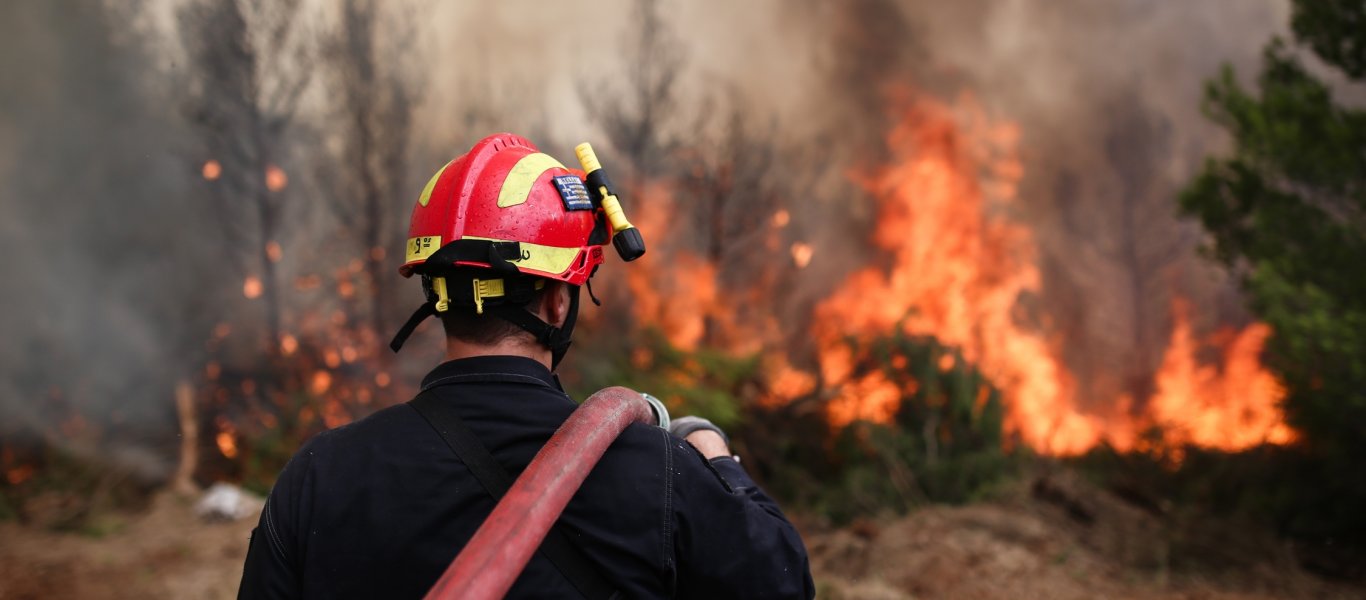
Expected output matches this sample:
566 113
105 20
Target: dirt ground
1054 540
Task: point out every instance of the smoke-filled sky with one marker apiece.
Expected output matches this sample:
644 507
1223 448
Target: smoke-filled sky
104 304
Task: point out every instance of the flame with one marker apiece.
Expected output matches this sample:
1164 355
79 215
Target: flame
288 344
1229 406
786 382
19 474
226 438
212 170
276 179
273 251
801 254
781 218
251 287
679 295
321 381
958 269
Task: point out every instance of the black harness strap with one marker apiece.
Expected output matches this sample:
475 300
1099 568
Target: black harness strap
566 557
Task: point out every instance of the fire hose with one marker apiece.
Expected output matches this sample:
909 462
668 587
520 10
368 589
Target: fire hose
501 548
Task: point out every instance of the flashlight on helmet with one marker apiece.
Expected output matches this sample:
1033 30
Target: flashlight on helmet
625 237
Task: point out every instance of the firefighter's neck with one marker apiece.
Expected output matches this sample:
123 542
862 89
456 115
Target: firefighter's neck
553 308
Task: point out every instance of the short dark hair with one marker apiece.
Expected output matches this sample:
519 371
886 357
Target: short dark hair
463 324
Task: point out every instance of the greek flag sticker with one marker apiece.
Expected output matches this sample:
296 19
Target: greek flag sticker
573 193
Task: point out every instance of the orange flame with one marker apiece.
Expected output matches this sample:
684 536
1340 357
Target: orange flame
801 254
321 381
19 474
212 170
276 179
288 344
1234 405
251 287
958 269
226 438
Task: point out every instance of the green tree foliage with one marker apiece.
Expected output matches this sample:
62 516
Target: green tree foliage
1286 209
707 383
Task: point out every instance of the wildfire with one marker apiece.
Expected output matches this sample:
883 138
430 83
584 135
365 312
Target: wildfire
958 270
680 298
211 170
1231 405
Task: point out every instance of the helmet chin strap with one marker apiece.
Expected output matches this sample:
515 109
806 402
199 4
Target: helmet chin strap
557 339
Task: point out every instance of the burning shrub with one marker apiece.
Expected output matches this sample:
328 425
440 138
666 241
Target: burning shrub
943 443
52 487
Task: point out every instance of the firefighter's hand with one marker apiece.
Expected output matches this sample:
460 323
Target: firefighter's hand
703 435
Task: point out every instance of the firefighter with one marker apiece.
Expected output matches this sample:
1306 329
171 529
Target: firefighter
503 238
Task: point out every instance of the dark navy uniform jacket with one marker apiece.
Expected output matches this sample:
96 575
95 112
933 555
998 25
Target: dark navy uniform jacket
380 507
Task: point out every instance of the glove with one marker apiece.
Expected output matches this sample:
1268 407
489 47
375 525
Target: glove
683 426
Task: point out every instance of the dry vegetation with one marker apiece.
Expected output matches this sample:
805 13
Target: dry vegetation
1051 537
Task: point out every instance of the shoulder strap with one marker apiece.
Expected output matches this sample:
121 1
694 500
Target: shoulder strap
566 557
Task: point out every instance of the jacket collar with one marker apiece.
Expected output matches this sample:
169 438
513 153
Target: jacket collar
491 368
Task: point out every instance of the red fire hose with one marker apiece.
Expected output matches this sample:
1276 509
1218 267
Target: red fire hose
498 552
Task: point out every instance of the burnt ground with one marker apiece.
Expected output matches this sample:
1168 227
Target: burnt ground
1052 538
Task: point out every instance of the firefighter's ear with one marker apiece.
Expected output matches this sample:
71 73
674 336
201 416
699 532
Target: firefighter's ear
555 303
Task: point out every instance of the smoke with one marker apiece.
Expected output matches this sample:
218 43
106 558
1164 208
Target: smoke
101 261
1107 97
114 273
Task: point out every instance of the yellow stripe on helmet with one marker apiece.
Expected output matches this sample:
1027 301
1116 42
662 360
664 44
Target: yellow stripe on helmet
546 259
426 196
517 186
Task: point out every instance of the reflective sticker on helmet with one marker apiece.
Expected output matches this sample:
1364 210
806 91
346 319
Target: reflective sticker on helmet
572 191
546 259
517 185
419 248
426 196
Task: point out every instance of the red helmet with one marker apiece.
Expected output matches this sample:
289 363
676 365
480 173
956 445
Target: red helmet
492 225
505 190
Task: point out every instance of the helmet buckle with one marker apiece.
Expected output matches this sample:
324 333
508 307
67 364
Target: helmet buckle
443 300
486 288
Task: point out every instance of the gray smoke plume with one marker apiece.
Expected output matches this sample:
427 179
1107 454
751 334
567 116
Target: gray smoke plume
103 267
114 268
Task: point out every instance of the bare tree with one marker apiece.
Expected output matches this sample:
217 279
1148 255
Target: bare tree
636 126
246 72
375 96
733 185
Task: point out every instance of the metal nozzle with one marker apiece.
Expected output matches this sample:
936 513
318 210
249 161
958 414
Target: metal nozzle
661 413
